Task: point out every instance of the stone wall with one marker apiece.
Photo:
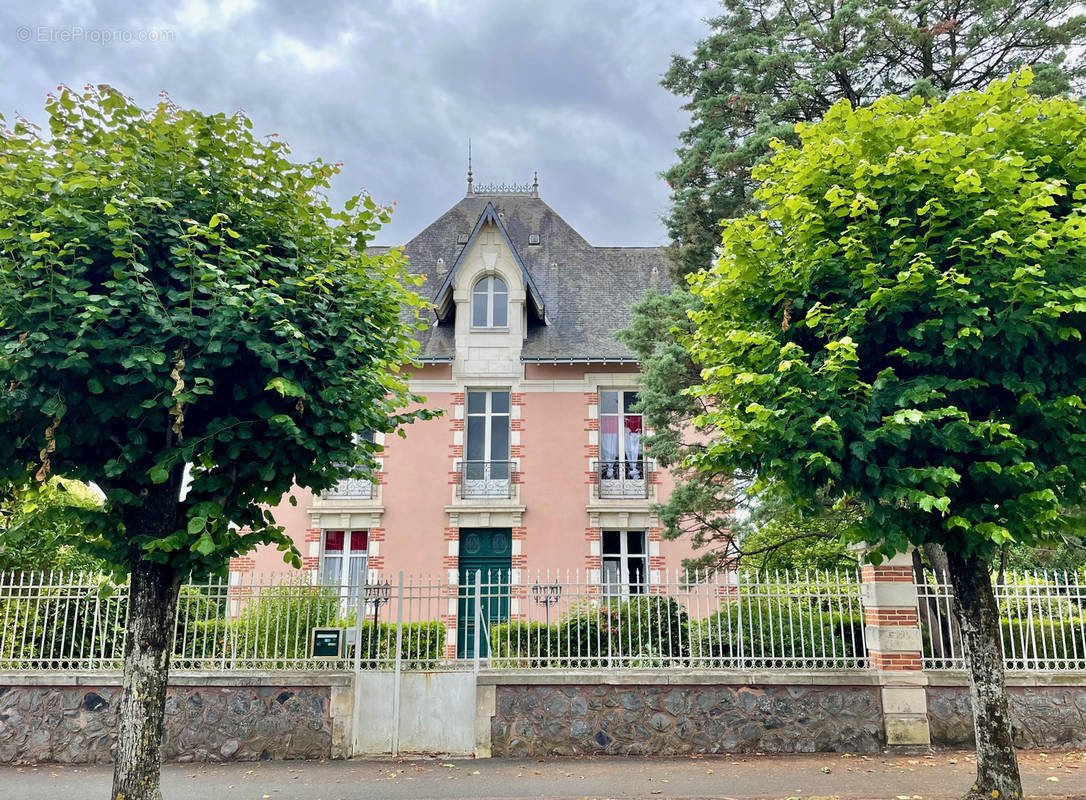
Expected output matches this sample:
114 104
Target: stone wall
534 720
1042 716
77 724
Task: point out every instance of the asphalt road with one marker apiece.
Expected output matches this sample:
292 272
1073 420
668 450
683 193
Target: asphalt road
943 774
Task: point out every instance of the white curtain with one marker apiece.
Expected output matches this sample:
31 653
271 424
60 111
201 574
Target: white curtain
633 451
608 444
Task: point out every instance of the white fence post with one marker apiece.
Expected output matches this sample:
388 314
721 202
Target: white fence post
398 668
478 618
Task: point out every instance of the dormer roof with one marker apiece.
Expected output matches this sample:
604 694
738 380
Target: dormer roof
442 300
579 295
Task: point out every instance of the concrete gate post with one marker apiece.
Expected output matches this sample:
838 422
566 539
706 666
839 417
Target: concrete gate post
895 648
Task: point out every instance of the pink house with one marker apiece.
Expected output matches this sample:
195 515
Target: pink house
537 464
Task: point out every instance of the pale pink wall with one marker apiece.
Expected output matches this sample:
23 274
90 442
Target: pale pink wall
267 560
416 493
575 372
554 464
554 490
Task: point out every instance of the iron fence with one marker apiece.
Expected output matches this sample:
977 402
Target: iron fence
1042 621
52 621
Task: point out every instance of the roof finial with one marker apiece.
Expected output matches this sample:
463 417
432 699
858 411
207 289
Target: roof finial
535 183
469 166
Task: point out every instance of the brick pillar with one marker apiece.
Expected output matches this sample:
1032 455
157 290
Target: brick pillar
895 648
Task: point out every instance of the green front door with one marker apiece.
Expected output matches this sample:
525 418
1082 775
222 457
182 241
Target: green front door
485 553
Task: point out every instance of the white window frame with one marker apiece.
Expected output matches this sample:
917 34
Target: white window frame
624 557
488 296
488 415
344 558
620 447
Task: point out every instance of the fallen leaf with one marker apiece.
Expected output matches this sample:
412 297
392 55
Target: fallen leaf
475 772
1053 778
825 770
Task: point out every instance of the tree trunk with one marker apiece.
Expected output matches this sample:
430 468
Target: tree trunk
978 618
151 607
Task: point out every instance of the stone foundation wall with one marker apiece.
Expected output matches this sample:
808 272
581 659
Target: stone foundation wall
668 720
77 724
1043 716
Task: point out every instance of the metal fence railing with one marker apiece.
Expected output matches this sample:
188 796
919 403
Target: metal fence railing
1042 621
721 620
801 621
638 618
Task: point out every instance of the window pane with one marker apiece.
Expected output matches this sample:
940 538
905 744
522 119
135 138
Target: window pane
331 569
612 543
501 310
478 310
499 402
359 540
356 570
499 285
638 576
333 541
476 439
608 402
499 438
635 542
611 576
476 402
629 400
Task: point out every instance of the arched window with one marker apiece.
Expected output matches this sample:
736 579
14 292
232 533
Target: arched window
490 303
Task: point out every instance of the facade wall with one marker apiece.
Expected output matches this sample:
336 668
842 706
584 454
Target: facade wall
415 515
418 486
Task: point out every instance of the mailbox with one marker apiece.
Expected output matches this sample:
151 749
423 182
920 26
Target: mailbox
327 644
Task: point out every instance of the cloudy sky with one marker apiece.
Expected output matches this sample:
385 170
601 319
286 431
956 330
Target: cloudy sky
395 89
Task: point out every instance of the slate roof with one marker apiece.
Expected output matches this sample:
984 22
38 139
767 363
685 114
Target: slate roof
586 291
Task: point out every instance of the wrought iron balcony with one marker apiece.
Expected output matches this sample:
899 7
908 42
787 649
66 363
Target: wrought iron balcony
357 487
622 479
485 479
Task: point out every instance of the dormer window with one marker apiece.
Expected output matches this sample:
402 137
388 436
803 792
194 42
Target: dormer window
490 303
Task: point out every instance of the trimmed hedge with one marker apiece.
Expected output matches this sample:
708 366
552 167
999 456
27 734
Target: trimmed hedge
779 634
639 632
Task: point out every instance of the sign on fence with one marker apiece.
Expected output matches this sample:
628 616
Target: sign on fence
327 644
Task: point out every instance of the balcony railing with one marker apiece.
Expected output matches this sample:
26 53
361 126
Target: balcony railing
359 487
486 479
622 479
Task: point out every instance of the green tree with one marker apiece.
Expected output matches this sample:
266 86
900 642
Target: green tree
762 68
175 291
902 325
766 66
41 527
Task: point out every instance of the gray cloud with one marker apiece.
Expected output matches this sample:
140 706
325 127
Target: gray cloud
395 89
